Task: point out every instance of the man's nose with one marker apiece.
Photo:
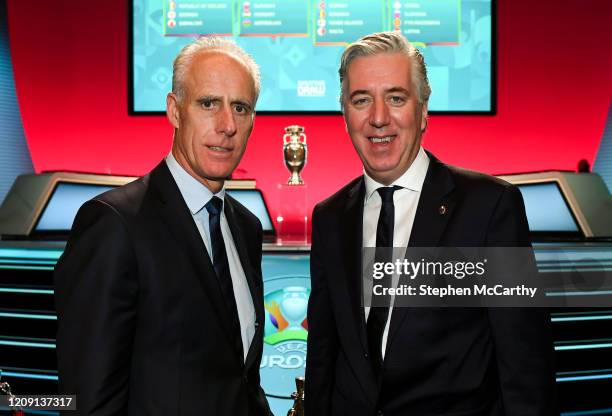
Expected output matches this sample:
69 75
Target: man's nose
379 116
226 123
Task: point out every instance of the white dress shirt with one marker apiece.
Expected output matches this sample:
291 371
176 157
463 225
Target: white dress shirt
405 201
196 196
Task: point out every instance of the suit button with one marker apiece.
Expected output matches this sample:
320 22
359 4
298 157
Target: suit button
367 357
379 413
245 379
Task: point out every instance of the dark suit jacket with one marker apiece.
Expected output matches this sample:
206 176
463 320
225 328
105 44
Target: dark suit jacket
142 325
439 361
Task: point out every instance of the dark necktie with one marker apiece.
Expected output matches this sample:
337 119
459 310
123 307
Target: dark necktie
377 317
221 265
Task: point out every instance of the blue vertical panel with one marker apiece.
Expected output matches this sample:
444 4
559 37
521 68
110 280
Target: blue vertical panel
603 159
14 155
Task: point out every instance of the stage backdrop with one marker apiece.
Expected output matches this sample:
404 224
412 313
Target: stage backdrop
554 85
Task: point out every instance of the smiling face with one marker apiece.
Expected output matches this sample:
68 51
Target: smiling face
213 118
383 115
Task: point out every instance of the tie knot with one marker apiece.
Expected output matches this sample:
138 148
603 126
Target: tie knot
214 206
386 192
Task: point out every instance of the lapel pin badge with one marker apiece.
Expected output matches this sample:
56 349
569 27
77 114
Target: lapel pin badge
442 210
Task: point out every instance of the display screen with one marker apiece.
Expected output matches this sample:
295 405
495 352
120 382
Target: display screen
67 198
64 203
298 44
547 209
254 201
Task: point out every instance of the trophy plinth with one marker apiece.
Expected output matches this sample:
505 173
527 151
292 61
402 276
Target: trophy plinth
292 218
298 398
294 153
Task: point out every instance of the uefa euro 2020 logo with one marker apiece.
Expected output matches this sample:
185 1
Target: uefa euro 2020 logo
286 331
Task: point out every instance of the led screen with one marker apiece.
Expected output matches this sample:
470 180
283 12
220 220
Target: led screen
67 198
298 44
64 204
547 210
253 200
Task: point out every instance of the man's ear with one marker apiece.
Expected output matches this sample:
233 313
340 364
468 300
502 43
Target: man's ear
172 109
252 125
423 118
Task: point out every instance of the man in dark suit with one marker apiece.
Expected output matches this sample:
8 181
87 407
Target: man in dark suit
413 361
159 291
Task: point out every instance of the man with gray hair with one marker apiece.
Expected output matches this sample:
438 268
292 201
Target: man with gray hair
367 361
159 291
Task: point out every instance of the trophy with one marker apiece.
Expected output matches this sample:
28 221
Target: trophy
293 306
294 152
298 398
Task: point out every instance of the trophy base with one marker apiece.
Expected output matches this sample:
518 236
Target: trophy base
295 180
292 216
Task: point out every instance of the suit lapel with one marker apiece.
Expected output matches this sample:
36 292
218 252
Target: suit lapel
434 210
251 276
175 214
352 236
435 206
352 324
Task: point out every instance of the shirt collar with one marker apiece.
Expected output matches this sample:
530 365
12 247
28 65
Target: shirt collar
412 179
194 193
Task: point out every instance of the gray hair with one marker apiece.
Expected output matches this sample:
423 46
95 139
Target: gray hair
386 42
208 43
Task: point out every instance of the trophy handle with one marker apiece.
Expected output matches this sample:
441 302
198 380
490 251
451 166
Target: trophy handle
303 137
285 138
